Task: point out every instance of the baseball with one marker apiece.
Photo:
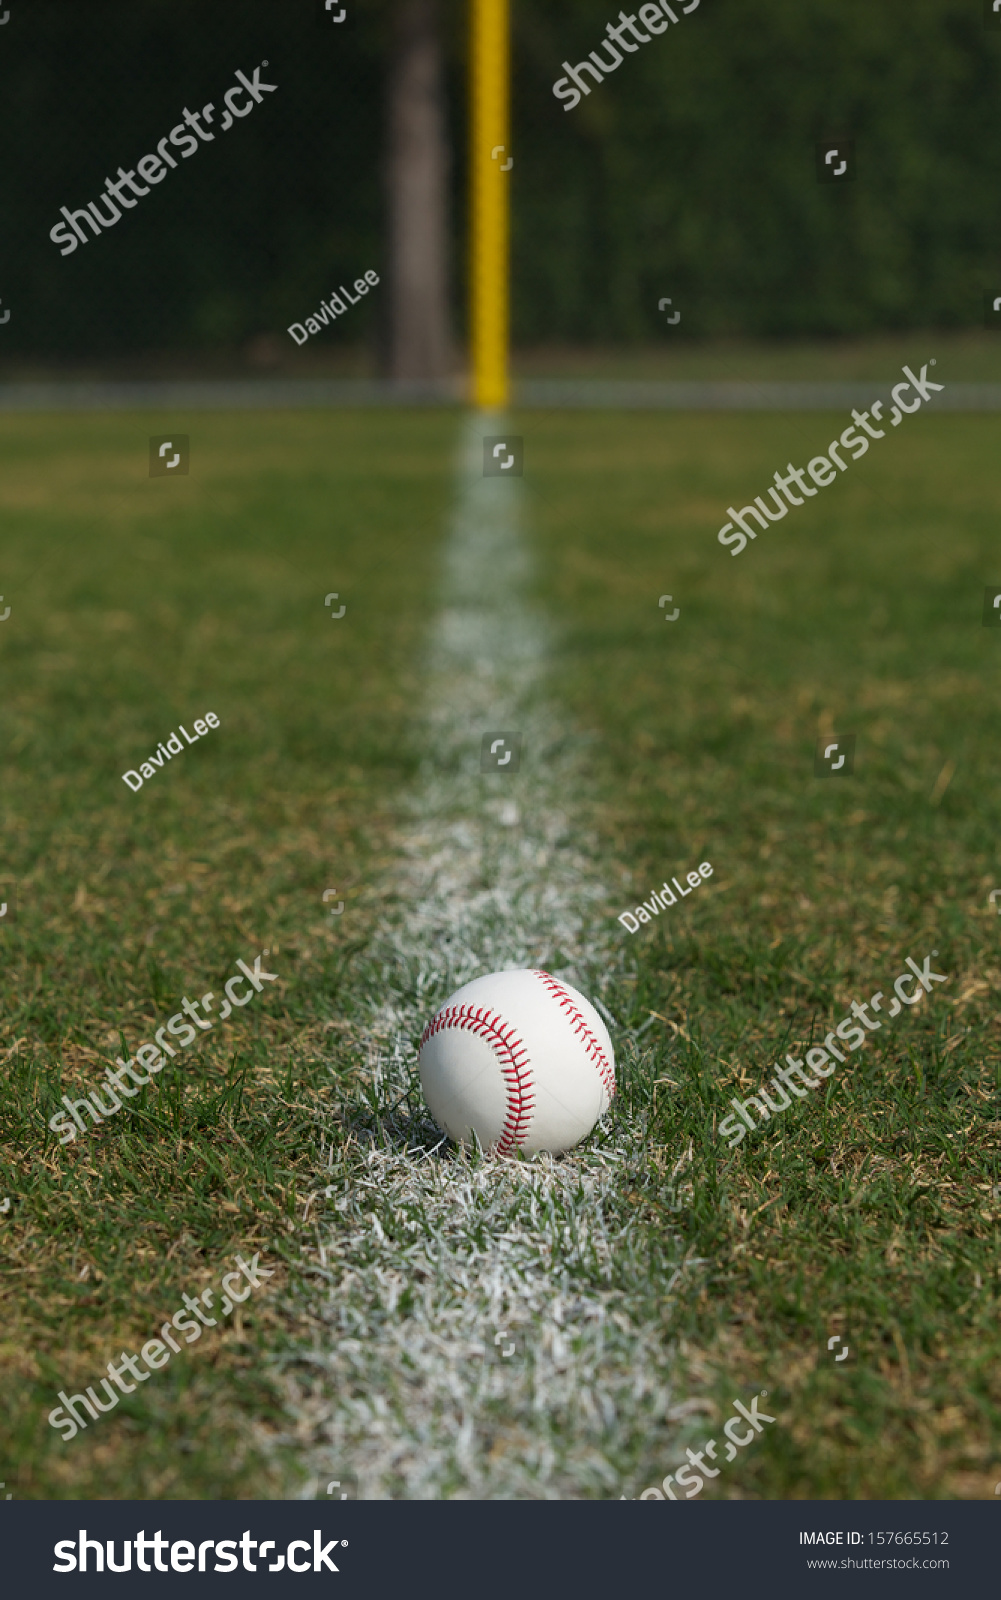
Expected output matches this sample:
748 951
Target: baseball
519 1059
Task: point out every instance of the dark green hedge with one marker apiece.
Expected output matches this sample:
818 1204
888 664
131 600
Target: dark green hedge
690 172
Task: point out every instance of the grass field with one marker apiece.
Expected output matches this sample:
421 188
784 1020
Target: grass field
654 1275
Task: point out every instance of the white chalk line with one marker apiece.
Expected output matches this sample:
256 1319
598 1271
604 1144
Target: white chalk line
430 1256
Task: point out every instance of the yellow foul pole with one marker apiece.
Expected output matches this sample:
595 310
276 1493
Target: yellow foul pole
490 152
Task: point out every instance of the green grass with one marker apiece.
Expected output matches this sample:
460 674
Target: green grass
867 1210
871 1209
138 603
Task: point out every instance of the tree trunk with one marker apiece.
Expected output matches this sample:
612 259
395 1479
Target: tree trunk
417 173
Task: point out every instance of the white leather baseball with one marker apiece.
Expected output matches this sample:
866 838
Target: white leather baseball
520 1059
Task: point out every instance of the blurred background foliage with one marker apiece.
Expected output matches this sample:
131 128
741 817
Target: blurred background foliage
690 171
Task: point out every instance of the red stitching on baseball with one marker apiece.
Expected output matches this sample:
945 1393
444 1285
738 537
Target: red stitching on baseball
515 1070
591 1045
